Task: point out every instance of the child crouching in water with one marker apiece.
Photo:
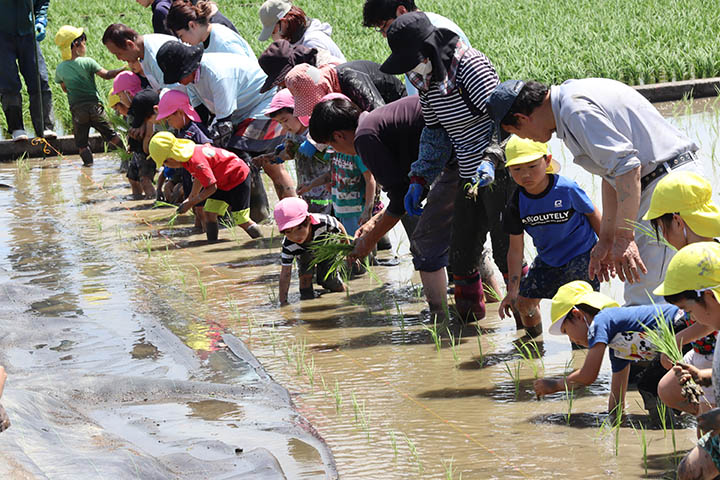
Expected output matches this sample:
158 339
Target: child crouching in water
301 229
76 74
221 179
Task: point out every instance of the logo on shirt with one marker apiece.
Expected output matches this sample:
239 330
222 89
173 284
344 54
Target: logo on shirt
558 203
547 218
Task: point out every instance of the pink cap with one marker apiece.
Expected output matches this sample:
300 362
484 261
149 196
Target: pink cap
126 82
174 100
334 95
290 212
284 99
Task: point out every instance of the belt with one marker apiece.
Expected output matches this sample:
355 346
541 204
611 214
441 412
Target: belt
666 166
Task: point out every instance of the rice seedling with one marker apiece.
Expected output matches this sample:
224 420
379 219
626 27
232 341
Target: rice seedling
338 397
300 350
643 444
662 339
201 286
324 385
399 311
481 354
434 333
334 249
413 451
569 395
393 444
147 242
526 350
229 223
514 373
450 469
309 368
648 231
361 417
22 165
453 346
491 293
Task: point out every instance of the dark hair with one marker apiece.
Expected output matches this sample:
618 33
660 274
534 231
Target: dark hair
333 116
377 12
119 34
282 110
295 23
78 40
693 295
590 310
530 97
183 12
666 220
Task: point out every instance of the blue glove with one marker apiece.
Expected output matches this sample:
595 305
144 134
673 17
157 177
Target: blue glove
486 173
413 197
307 149
40 24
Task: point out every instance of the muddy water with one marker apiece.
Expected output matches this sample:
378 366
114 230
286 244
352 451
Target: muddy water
361 367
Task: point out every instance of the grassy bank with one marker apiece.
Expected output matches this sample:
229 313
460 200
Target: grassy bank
645 41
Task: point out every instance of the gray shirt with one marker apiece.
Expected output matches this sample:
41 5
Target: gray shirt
611 129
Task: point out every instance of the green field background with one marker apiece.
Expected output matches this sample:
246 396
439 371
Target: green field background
641 41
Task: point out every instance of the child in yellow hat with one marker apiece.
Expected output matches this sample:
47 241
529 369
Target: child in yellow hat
597 322
562 221
76 74
682 211
692 283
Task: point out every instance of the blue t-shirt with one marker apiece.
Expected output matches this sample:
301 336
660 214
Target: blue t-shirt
555 219
621 329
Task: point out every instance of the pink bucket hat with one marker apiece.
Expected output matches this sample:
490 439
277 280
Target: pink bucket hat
284 99
126 82
174 100
309 85
290 212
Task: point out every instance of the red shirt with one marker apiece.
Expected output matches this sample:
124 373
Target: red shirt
214 165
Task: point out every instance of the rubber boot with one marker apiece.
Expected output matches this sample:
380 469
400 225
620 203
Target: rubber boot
307 293
40 124
254 231
469 297
12 107
211 230
86 156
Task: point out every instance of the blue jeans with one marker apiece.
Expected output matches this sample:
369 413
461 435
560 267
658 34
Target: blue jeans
17 52
351 224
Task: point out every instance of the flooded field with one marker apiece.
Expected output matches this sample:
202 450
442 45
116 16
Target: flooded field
125 342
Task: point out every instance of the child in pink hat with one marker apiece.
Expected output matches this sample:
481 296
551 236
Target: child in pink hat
301 228
126 85
308 166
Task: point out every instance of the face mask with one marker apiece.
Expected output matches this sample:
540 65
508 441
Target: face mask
423 68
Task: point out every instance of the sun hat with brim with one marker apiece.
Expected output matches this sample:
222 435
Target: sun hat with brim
177 60
173 100
501 101
270 13
405 37
113 99
689 195
694 267
64 39
164 145
276 61
290 212
127 82
572 294
521 150
308 86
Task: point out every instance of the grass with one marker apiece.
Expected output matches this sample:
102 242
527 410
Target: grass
522 41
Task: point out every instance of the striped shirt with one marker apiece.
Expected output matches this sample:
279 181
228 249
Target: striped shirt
325 224
470 134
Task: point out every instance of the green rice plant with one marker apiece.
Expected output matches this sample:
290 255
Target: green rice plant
324 385
229 223
481 354
569 395
434 334
361 417
491 293
300 351
648 231
643 443
393 444
333 248
22 165
453 346
309 368
450 469
526 350
399 311
338 397
413 451
515 376
147 242
200 284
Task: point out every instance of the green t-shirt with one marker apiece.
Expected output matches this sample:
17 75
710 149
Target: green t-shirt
79 78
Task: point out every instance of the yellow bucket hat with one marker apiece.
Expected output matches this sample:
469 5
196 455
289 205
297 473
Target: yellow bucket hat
64 38
694 267
571 294
689 195
521 150
164 145
113 99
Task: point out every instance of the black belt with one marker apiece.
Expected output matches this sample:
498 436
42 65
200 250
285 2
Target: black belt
666 166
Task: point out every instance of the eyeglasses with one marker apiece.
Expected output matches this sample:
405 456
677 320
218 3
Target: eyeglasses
383 27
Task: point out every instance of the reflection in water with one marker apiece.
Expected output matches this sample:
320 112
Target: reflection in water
215 410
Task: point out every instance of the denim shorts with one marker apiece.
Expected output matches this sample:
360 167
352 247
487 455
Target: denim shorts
543 280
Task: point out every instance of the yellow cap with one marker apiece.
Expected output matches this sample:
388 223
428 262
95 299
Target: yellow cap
571 294
113 99
689 195
521 150
64 38
164 145
694 267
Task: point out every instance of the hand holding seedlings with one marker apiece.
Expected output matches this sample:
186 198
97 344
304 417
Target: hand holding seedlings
691 378
184 207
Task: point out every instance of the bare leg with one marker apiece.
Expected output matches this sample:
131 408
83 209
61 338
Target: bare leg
137 189
529 313
148 187
435 286
697 465
283 183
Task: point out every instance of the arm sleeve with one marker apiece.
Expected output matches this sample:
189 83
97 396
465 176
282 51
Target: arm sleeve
580 200
203 173
92 66
431 120
603 143
360 165
224 96
160 13
286 256
360 89
433 154
512 224
41 8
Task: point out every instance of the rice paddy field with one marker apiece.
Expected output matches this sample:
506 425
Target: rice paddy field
643 41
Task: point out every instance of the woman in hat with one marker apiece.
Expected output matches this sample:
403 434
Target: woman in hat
283 20
692 283
597 322
681 209
221 180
